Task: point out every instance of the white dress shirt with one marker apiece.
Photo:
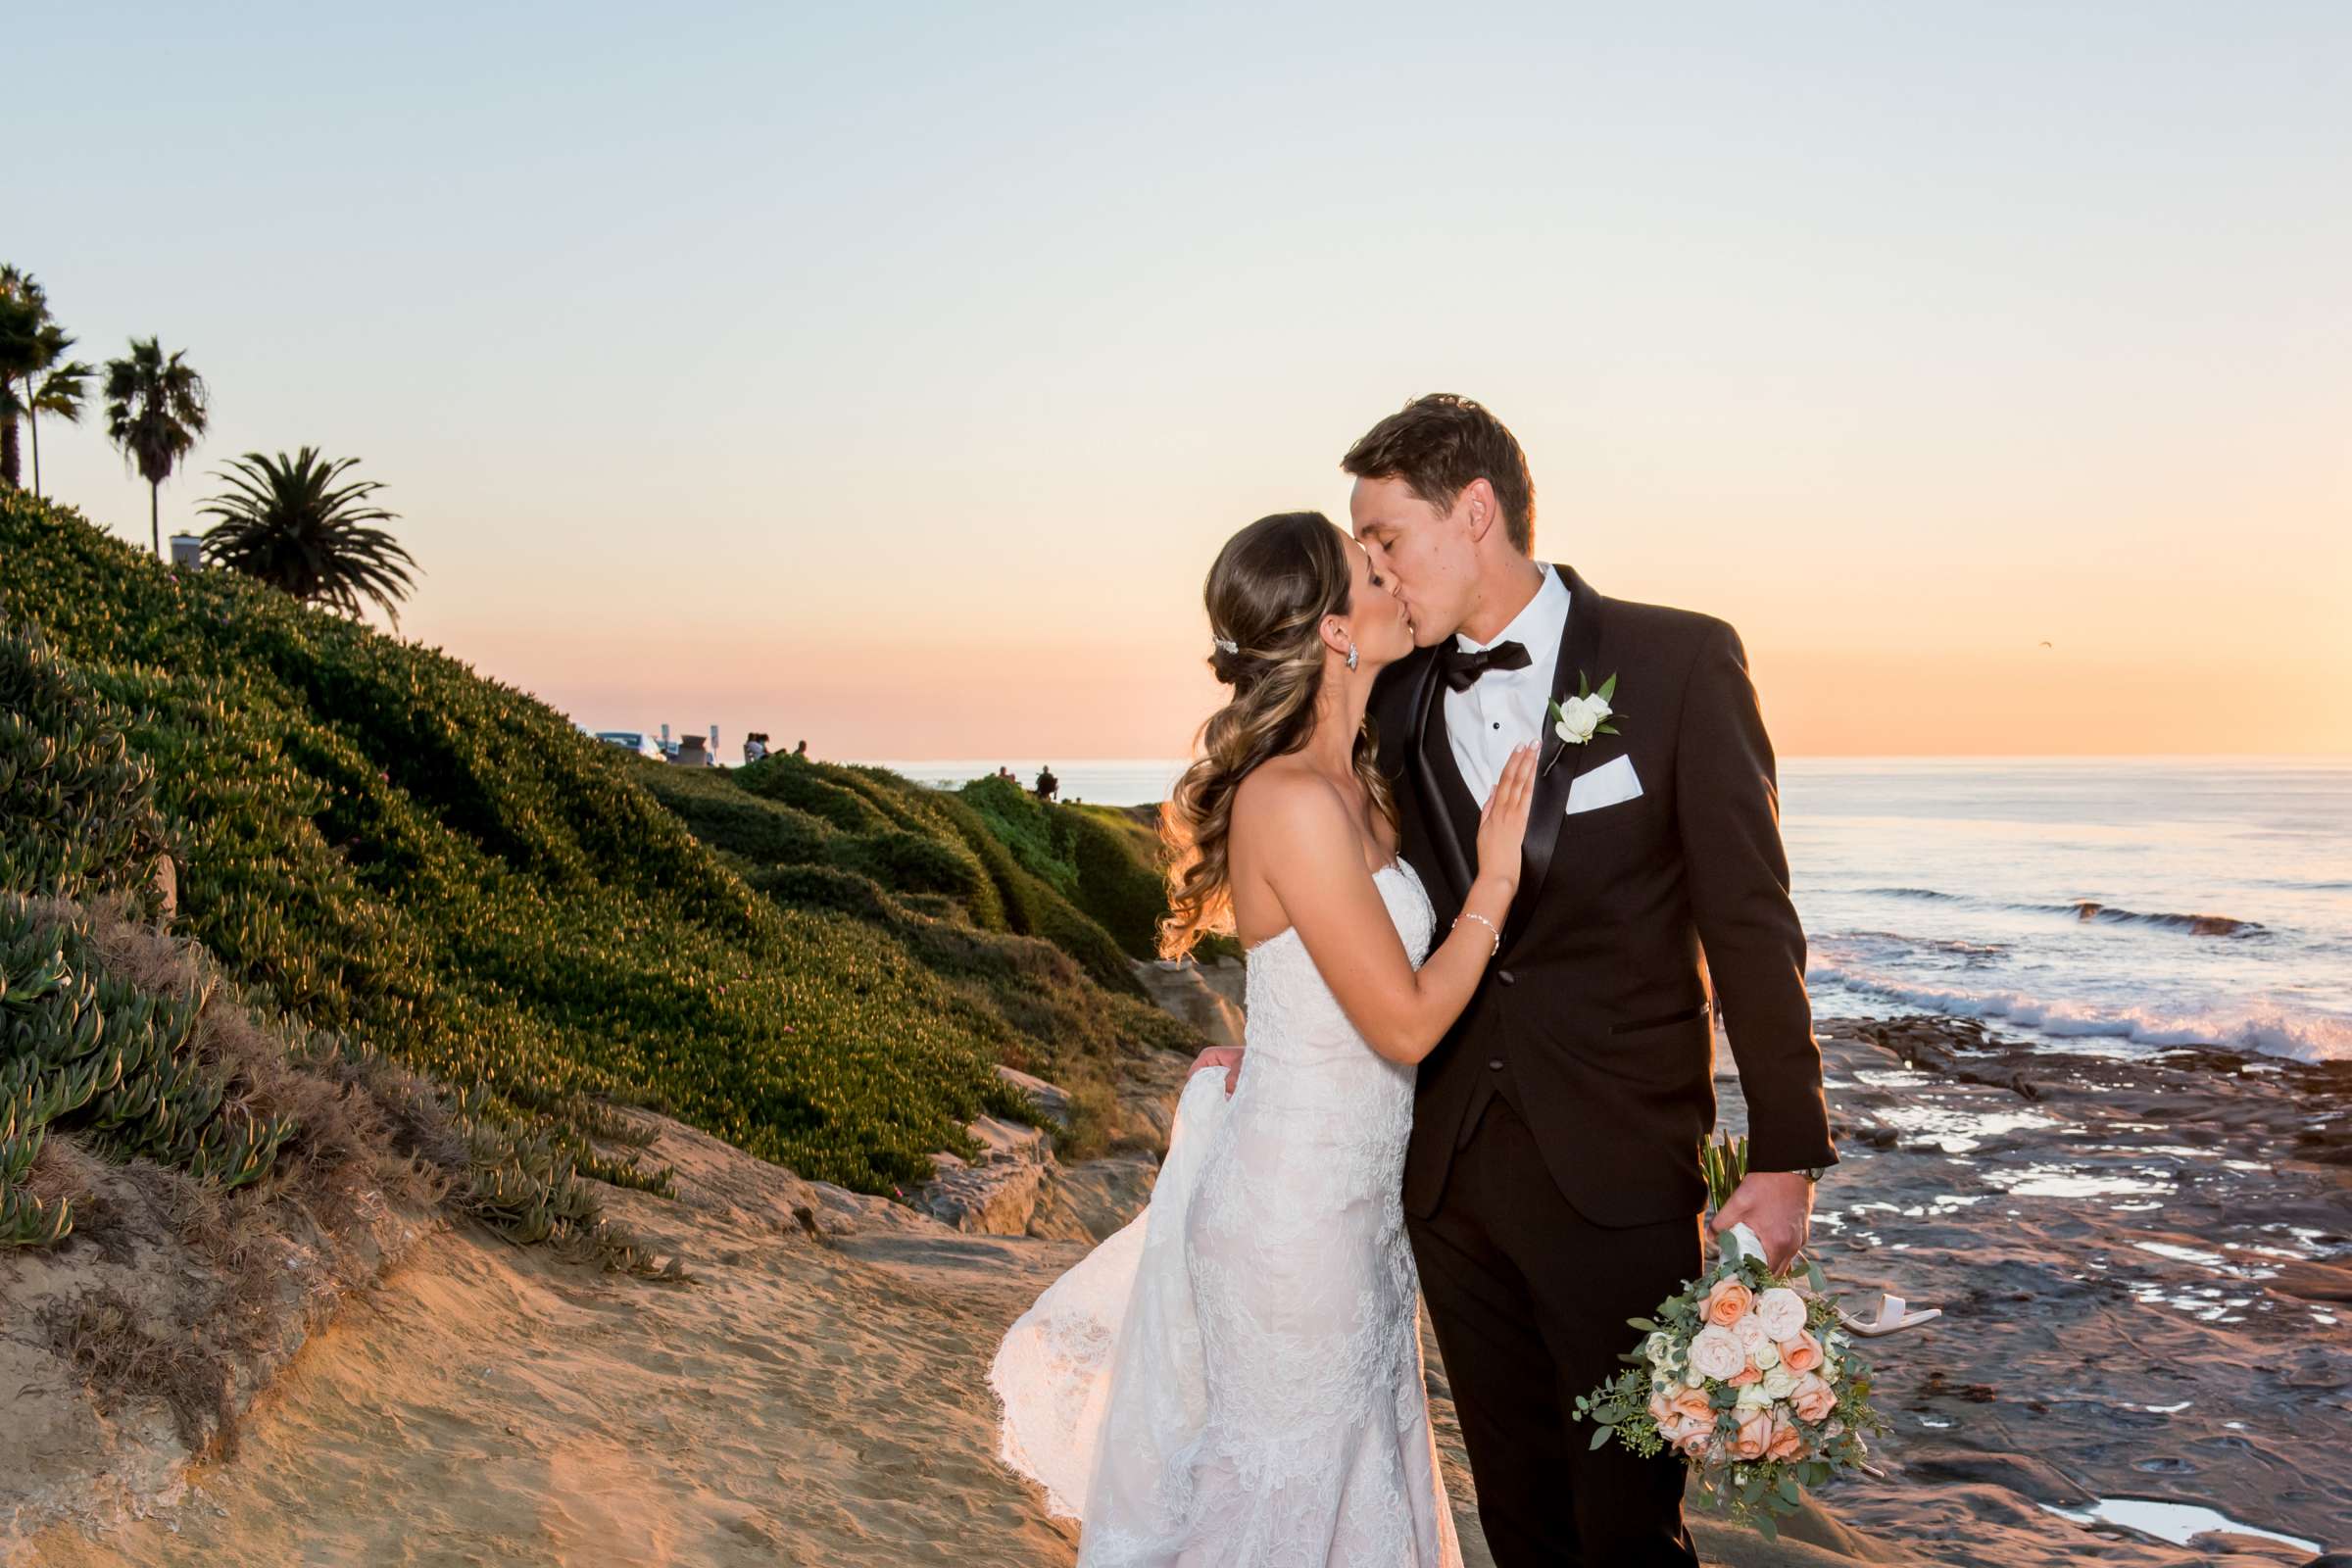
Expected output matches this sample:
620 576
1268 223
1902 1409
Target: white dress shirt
1506 708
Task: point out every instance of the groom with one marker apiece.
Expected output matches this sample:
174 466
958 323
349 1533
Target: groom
1553 1186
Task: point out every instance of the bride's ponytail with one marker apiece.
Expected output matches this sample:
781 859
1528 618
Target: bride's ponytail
1267 594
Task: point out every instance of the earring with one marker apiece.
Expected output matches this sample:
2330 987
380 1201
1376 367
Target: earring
1351 655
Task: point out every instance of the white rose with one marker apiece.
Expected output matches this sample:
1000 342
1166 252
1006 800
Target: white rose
1656 1347
1754 1397
1782 1311
1780 1382
1580 716
1715 1353
1753 1339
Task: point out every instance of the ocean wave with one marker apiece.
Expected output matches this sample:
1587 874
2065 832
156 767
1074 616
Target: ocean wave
1925 943
2196 925
2267 1030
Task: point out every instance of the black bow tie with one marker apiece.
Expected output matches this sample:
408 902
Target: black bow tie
1462 669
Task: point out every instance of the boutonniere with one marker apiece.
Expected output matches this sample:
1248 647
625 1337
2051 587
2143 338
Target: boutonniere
1584 715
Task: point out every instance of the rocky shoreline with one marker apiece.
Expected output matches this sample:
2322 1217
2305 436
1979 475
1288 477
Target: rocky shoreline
2145 1267
2144 1263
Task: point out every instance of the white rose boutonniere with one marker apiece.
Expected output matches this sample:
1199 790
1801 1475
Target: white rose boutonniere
1585 714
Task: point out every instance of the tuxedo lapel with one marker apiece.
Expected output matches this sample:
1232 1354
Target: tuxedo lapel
1439 782
1580 649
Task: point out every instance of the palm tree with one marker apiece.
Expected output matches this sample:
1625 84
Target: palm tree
154 411
56 388
287 523
23 309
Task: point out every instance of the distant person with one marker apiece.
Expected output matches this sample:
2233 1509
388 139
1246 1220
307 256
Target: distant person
1048 788
755 745
800 751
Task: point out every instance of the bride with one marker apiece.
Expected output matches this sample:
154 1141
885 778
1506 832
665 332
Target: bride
1235 1378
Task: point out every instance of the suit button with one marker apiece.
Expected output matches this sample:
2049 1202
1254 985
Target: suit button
1496 1063
1505 977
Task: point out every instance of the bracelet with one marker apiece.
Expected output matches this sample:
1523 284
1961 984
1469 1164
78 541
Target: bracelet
1471 914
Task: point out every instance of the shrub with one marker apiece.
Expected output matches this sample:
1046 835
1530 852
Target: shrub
1105 859
1018 820
76 808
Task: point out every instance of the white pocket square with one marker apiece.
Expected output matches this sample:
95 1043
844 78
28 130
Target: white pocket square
1612 781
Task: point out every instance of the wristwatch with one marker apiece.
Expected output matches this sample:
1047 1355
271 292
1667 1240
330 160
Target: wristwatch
1814 1173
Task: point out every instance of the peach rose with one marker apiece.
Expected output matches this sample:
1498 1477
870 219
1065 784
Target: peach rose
1803 1353
1782 1312
1694 1405
1661 1410
1694 1439
1814 1399
1753 1437
1715 1353
1727 1302
1786 1441
1744 1376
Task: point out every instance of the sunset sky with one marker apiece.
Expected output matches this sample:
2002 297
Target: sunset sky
890 378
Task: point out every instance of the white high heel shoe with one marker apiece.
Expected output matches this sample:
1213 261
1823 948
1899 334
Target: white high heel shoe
1894 1317
1894 1313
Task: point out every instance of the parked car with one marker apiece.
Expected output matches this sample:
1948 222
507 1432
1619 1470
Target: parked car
632 740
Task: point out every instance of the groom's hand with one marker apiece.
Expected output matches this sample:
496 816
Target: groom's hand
1228 1057
1778 1205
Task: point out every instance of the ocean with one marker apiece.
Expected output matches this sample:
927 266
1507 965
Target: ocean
2088 903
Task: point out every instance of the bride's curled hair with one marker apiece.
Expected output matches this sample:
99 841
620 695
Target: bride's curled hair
1267 594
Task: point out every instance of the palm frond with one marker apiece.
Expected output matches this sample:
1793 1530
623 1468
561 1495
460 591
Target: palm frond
288 522
59 385
155 407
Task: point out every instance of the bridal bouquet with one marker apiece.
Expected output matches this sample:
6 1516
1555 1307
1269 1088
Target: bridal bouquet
1750 1376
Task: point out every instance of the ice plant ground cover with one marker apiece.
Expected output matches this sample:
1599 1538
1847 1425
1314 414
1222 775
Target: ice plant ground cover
821 966
1746 1374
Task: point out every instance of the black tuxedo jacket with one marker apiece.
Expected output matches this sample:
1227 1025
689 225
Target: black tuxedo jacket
1593 1018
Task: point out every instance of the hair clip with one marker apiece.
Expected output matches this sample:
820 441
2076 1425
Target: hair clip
1226 644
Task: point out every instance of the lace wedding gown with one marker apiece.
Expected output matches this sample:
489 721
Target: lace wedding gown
1235 1378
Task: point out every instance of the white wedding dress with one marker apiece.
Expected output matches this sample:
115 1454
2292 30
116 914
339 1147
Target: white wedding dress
1235 1378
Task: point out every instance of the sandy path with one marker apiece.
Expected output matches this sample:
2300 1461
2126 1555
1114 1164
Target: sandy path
798 1404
